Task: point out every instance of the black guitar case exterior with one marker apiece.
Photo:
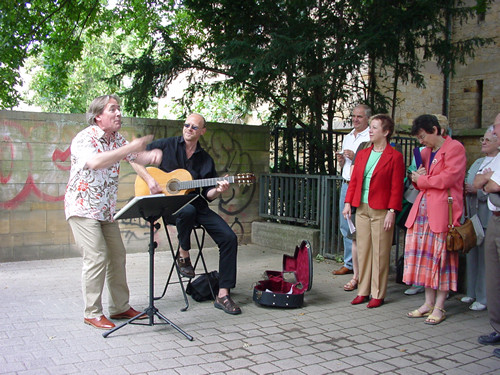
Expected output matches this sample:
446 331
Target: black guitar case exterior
287 288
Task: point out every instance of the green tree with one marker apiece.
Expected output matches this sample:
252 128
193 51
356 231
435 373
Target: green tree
57 25
306 58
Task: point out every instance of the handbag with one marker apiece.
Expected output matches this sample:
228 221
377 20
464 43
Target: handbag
199 288
461 238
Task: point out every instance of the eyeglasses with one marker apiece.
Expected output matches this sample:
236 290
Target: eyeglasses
194 127
422 137
487 140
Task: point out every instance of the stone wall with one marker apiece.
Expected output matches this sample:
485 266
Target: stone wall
470 105
465 95
34 170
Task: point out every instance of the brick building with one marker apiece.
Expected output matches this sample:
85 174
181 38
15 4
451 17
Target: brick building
474 90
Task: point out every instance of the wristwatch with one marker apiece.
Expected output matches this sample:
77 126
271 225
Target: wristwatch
391 210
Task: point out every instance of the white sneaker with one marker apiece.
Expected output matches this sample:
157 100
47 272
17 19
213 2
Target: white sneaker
414 290
477 306
467 299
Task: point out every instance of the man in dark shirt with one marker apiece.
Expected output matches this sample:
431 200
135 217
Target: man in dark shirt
185 152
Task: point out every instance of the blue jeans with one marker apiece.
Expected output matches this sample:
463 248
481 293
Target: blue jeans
344 228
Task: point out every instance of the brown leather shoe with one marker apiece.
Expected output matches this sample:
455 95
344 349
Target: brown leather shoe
342 271
185 267
101 323
129 314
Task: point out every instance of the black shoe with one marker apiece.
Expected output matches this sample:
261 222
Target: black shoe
185 267
491 339
227 305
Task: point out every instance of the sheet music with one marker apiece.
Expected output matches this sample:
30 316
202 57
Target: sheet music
143 200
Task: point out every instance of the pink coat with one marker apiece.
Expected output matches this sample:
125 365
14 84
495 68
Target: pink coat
447 171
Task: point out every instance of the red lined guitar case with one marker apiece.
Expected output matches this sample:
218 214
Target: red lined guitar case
287 288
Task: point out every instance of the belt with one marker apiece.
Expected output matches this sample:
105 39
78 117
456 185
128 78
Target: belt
496 213
345 181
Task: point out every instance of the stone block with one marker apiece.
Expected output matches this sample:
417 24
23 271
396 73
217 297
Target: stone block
284 237
28 222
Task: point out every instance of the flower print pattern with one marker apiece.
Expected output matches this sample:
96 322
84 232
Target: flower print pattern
92 193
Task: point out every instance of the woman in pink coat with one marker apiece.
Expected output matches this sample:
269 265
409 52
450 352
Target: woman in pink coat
427 262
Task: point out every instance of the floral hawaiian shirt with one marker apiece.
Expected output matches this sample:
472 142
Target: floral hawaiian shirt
91 193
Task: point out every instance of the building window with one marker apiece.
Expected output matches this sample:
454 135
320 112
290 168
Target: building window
478 117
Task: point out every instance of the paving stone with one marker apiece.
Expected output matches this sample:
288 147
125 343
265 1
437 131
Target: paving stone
42 332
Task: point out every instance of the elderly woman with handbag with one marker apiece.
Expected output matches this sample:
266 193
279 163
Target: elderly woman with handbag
427 262
476 200
376 189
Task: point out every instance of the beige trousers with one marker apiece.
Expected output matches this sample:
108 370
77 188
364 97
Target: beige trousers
103 260
374 251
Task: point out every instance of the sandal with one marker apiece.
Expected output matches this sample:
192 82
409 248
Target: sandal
433 320
418 314
351 285
227 305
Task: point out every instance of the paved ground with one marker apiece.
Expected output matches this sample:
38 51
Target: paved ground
41 328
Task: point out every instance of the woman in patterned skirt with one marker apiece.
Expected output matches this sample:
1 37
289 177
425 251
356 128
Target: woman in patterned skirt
427 262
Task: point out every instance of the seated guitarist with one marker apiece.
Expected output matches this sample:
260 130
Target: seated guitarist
185 152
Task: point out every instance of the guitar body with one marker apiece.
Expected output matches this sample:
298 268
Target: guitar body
168 181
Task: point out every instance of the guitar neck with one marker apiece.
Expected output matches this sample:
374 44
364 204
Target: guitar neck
193 184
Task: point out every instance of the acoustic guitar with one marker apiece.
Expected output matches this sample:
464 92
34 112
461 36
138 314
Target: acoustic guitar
180 181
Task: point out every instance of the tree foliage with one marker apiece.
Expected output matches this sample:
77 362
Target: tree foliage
308 59
28 27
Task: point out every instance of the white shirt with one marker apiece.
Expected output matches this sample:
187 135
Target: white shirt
352 142
495 167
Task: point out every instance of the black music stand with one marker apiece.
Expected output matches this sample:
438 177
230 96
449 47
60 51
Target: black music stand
151 208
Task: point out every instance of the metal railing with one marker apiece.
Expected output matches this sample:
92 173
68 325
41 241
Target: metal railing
300 139
308 200
292 198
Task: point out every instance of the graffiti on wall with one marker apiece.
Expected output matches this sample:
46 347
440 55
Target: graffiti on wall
20 173
35 161
231 159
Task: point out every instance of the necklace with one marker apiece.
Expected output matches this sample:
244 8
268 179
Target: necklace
374 160
381 149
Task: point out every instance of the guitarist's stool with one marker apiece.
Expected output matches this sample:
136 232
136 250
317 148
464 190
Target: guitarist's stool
175 255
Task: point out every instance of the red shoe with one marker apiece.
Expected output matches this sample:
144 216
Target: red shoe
375 302
359 299
129 314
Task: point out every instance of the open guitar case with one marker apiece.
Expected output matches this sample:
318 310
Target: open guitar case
286 288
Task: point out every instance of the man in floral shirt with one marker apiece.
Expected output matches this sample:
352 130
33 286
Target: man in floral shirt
90 204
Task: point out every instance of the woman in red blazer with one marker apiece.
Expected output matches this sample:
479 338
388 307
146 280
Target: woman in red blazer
427 262
376 189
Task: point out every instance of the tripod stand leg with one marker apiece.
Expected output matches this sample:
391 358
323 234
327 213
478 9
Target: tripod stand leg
180 330
107 333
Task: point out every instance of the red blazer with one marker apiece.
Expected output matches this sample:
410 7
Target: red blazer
386 185
447 171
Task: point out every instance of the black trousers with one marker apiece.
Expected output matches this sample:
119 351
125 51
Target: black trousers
218 230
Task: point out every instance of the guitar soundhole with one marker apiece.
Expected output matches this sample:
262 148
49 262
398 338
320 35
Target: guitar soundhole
173 186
